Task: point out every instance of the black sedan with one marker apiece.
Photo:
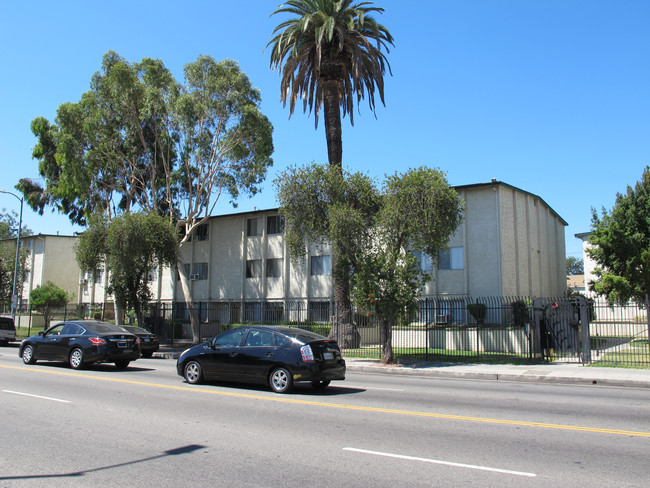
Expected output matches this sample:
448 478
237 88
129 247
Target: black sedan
278 356
149 342
80 343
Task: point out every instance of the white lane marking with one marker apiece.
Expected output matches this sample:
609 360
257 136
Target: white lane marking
36 396
436 461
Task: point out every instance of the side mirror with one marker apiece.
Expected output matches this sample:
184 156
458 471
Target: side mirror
41 333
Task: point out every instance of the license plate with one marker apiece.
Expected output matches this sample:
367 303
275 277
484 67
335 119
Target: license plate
121 344
328 355
147 340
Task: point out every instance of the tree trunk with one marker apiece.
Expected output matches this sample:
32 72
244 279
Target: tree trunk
343 329
189 301
333 131
387 341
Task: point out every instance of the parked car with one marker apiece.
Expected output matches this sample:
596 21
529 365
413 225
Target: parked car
149 342
277 356
80 343
7 330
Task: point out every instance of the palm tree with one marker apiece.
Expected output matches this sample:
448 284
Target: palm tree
328 54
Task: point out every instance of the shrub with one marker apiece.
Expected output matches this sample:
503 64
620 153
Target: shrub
478 311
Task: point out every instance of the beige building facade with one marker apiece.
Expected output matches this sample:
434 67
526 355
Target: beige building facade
510 243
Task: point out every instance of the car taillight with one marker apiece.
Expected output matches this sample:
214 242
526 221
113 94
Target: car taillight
137 340
307 353
97 341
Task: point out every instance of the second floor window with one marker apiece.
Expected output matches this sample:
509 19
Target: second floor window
452 258
254 227
274 224
201 233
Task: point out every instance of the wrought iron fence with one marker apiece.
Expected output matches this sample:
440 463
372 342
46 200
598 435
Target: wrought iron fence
488 329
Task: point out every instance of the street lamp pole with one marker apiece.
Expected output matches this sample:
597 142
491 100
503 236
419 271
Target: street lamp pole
14 298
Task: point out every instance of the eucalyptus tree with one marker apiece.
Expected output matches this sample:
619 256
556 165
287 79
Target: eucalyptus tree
140 140
329 54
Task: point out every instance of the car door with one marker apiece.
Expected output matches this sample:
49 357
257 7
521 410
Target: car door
51 343
257 354
220 358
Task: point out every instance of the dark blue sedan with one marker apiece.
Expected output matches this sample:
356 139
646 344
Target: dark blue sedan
80 343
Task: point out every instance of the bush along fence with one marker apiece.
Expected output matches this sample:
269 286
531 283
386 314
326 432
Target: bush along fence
488 329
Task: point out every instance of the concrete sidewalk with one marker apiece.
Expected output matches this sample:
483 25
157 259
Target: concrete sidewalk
557 373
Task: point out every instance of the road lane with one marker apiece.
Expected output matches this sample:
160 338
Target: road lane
284 440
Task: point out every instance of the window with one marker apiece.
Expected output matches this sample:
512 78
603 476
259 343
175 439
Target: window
254 268
254 227
200 271
232 338
98 275
320 265
274 224
259 338
452 258
424 261
197 271
274 267
201 233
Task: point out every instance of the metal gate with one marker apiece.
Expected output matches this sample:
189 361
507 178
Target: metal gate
560 329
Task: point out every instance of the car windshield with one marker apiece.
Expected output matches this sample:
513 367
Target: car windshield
103 328
303 335
135 330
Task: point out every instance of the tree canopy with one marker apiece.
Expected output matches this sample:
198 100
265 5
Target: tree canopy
329 53
139 140
621 245
372 232
574 266
47 298
131 246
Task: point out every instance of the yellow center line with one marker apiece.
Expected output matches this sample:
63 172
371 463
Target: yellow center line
281 399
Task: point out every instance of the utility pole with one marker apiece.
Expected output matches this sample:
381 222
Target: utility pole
14 297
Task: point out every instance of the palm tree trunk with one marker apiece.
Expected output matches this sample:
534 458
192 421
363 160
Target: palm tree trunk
333 132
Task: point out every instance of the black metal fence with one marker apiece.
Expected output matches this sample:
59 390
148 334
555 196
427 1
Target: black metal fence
488 329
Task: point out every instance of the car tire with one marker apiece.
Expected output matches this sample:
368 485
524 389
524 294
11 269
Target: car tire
280 380
28 355
147 354
193 372
122 364
321 384
76 358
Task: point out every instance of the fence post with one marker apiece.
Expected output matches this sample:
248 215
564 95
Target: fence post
586 336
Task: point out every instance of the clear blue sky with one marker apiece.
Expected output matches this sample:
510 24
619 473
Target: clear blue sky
551 96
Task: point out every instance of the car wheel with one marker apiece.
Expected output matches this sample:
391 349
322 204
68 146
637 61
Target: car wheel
122 364
193 373
320 385
76 358
280 380
28 355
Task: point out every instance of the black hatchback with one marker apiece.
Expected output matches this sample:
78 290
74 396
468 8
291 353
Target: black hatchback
80 343
277 356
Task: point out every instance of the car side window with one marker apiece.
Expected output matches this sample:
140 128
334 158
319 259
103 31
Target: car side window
71 329
259 338
232 338
281 340
55 330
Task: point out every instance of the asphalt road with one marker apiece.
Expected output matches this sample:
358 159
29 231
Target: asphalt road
146 427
